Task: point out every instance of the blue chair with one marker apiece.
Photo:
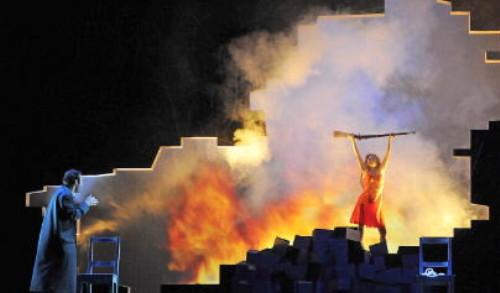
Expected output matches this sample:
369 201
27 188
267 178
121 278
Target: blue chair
91 277
447 279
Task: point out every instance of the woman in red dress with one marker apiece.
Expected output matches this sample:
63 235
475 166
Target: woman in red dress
368 209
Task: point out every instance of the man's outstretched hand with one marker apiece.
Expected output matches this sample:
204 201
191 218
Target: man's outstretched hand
91 200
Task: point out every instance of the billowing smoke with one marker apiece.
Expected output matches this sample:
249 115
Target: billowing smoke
416 68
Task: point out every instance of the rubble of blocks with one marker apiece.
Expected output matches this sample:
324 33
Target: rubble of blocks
327 261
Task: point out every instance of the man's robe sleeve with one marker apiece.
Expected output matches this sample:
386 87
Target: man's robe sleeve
71 209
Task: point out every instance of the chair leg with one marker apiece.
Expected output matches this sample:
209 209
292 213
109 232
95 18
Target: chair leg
81 287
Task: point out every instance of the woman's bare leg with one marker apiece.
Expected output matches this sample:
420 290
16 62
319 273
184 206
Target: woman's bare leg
361 233
383 233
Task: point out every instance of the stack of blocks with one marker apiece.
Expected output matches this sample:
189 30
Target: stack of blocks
328 261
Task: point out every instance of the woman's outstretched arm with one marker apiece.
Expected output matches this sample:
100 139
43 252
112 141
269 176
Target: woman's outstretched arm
387 152
356 152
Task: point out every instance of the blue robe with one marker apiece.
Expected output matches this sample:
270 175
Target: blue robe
56 258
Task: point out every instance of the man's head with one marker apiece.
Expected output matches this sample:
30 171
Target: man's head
72 179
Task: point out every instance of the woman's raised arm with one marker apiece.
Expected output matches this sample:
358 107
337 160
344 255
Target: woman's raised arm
356 153
387 152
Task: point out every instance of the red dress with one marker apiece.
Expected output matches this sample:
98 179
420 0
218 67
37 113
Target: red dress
368 209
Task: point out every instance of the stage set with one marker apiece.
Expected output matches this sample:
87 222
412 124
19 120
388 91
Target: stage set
343 175
330 260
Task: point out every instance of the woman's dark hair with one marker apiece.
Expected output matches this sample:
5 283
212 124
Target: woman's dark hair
71 176
374 156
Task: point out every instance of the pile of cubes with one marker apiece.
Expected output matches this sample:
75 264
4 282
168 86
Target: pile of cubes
327 261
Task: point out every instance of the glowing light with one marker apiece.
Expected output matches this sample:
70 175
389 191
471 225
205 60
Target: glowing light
251 146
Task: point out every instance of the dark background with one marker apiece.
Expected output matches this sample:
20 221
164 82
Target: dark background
97 85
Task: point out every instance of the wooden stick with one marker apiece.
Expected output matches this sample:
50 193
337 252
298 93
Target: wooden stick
341 134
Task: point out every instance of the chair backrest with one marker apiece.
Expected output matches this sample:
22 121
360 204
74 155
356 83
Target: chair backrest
445 264
113 264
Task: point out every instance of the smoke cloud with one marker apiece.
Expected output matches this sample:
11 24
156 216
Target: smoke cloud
416 68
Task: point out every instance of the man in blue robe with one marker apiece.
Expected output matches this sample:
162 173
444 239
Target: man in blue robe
55 265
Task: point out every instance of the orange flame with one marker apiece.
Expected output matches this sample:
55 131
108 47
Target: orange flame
203 230
209 224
